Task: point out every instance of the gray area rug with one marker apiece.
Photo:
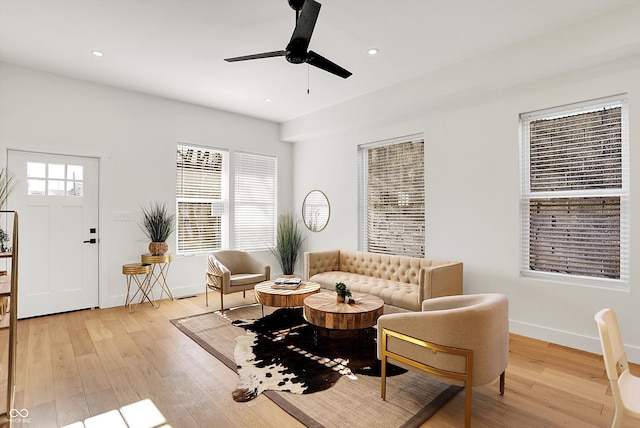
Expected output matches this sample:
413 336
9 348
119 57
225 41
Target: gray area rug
352 400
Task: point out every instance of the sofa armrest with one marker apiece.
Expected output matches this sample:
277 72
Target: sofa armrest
440 280
218 275
320 261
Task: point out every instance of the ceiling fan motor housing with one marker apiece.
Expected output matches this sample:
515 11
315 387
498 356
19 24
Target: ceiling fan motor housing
297 51
296 4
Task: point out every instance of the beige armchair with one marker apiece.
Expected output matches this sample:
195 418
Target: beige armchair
459 340
230 271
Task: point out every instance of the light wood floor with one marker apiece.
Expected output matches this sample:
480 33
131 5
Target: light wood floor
74 365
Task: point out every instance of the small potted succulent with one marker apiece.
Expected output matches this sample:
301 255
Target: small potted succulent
342 291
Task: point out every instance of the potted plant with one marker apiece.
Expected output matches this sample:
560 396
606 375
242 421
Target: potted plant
4 239
342 291
157 224
289 241
6 186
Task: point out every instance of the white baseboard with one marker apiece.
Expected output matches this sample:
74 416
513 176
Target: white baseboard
566 338
187 290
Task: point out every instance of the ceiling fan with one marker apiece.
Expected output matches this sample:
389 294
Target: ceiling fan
296 51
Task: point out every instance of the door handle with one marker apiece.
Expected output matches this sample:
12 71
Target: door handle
90 241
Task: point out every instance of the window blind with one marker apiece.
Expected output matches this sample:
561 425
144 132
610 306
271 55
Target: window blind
255 201
392 198
201 198
575 183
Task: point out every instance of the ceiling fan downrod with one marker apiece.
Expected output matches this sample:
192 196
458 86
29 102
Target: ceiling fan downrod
297 6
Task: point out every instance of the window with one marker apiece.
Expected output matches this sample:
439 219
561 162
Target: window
201 197
391 197
255 201
54 179
575 216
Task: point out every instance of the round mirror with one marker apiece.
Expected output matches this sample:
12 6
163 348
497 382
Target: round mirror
315 210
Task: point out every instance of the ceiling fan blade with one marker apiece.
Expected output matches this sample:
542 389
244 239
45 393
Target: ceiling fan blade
257 56
321 62
306 21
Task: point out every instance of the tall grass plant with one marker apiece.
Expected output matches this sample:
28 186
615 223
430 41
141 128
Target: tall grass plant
289 241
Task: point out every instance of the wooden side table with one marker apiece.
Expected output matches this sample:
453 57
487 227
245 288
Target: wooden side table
324 311
133 271
158 275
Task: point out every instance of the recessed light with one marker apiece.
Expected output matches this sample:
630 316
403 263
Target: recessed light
373 51
267 100
97 53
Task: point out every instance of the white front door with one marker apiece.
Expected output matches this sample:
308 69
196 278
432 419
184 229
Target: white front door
57 199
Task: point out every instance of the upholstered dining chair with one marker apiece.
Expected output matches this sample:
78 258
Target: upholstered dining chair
231 271
625 387
459 340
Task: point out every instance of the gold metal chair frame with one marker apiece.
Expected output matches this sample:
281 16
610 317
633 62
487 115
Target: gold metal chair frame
214 282
466 377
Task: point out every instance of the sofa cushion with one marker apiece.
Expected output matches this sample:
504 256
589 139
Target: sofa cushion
394 268
394 293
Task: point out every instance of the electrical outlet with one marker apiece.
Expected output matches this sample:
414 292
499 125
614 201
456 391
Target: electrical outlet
121 216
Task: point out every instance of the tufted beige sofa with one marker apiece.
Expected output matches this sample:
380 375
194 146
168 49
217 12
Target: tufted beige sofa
403 283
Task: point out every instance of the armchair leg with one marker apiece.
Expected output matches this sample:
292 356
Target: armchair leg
502 383
206 294
221 302
467 408
383 376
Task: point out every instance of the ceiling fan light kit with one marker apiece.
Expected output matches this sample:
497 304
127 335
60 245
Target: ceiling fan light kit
297 51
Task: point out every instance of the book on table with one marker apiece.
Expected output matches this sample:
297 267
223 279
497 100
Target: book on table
287 283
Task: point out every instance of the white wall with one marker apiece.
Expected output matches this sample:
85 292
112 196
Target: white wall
135 137
469 114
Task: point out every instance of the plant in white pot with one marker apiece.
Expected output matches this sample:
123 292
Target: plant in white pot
289 241
157 224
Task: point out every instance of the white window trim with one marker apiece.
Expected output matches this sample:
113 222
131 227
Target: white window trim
623 193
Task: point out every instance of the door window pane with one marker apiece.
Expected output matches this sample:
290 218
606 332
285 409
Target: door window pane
55 188
54 179
74 172
35 187
56 171
74 188
36 170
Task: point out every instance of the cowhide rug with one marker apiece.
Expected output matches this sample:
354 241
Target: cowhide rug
279 352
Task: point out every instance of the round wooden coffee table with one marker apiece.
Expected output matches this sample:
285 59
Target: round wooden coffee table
266 295
323 310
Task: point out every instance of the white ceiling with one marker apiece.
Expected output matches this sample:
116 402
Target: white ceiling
175 48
